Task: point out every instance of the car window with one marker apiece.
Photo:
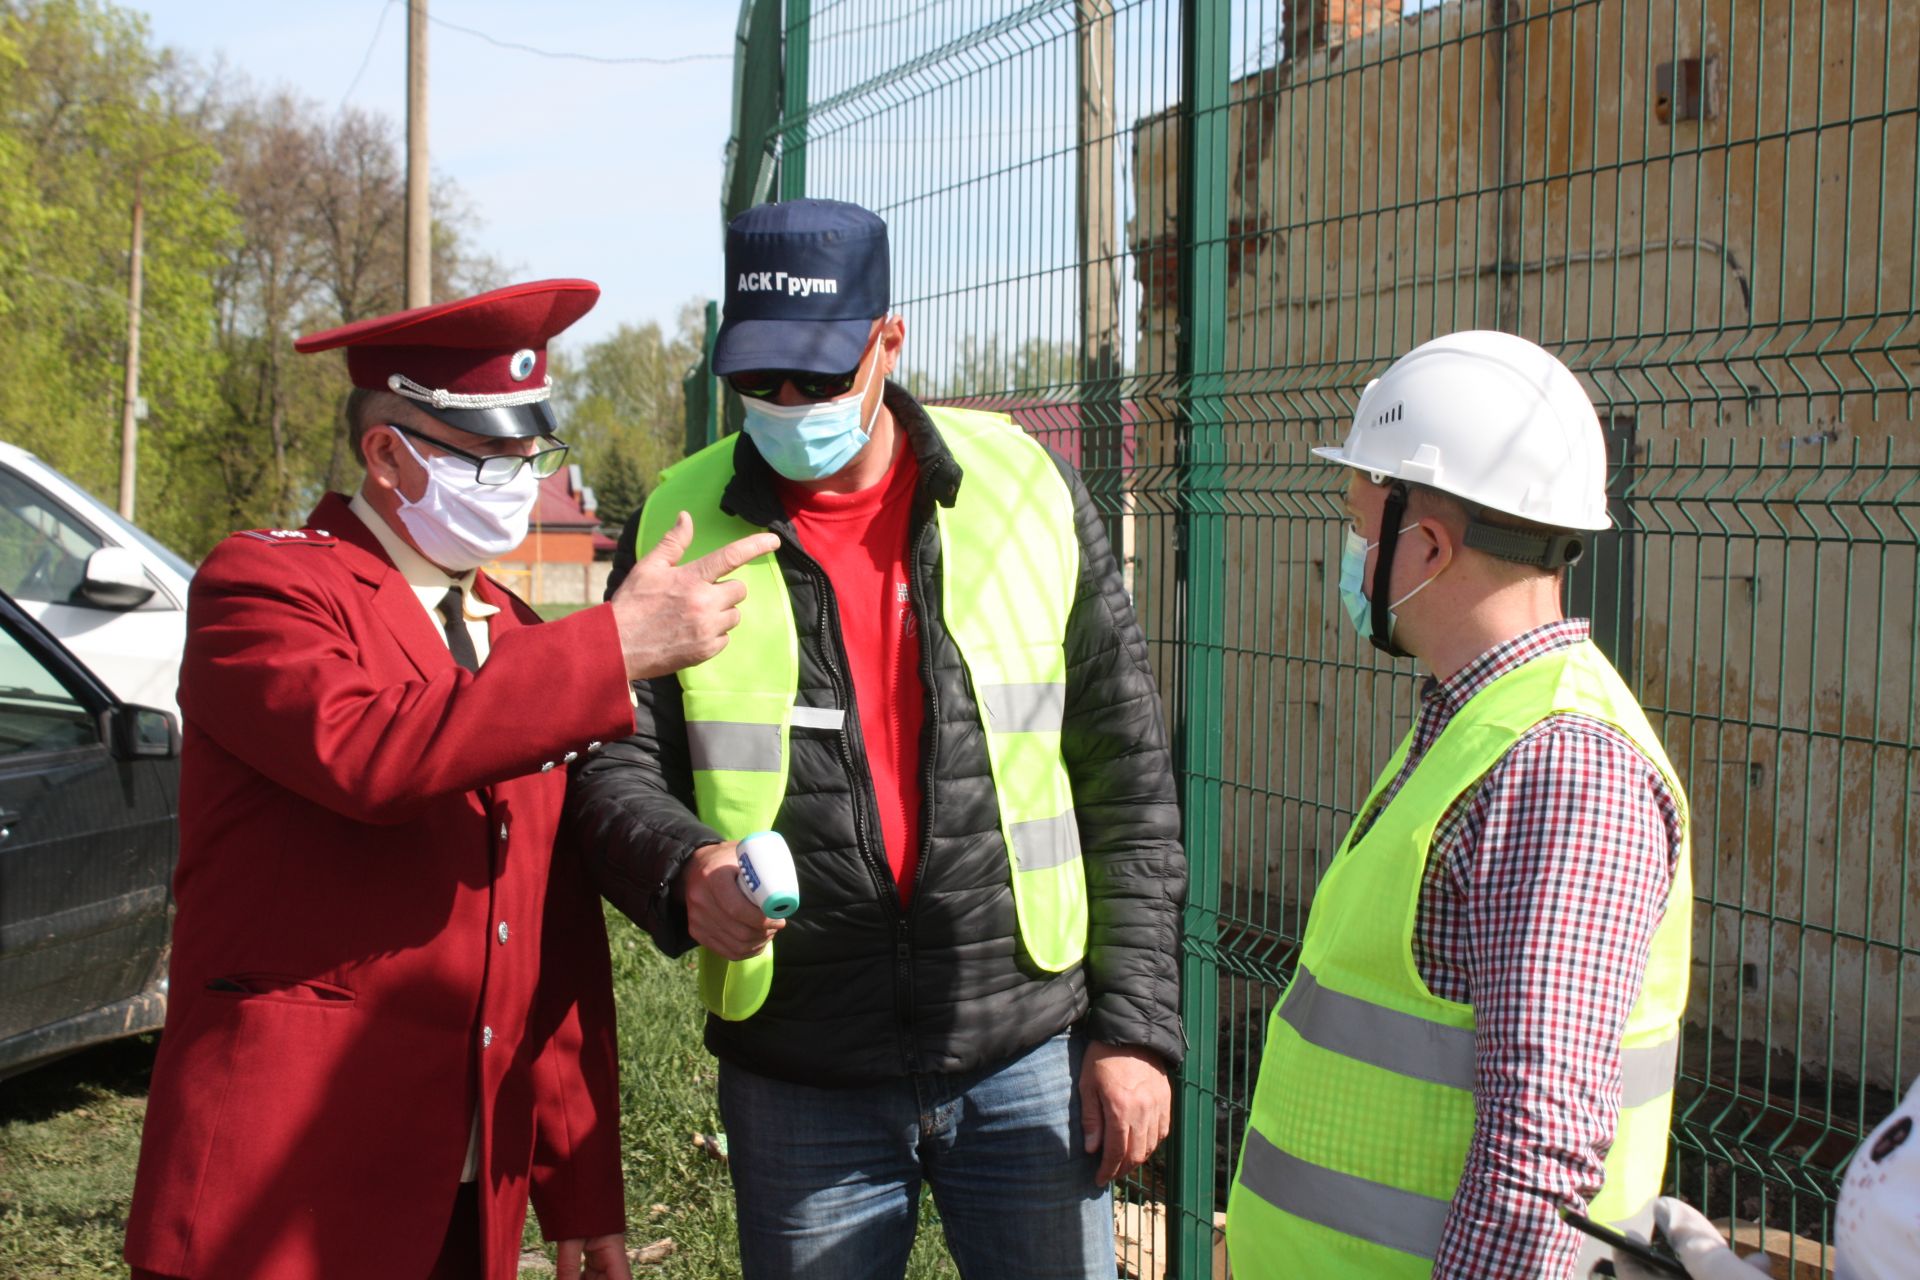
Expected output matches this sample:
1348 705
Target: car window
43 548
38 712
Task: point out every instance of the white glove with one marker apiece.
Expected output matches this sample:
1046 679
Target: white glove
1699 1245
1876 1227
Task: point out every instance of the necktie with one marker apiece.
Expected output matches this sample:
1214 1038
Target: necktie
459 639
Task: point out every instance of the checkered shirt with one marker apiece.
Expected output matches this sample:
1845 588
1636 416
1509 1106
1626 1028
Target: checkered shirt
1543 888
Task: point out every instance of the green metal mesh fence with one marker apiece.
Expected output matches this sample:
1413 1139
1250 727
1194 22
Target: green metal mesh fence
1175 239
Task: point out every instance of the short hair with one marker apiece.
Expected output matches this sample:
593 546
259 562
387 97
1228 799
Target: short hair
367 407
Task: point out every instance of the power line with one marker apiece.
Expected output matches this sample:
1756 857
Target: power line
366 58
875 25
576 57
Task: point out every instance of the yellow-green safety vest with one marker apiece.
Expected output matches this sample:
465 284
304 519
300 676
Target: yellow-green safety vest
1010 563
1364 1110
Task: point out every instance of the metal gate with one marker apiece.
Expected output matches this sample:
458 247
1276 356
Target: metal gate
1175 239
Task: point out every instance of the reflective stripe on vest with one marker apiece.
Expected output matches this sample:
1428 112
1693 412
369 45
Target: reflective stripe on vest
1364 1108
726 744
1009 568
1372 1212
1413 1046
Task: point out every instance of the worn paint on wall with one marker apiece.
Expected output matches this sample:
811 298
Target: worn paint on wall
1738 294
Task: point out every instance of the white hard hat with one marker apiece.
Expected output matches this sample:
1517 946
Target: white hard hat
1490 418
1876 1227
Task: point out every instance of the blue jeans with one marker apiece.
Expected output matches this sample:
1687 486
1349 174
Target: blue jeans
826 1182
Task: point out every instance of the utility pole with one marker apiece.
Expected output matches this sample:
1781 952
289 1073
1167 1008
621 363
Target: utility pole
419 256
129 408
1102 430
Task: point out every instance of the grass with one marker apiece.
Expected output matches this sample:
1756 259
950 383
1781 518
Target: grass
70 1136
554 612
667 1080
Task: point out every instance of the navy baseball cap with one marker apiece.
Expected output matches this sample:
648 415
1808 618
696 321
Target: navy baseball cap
806 279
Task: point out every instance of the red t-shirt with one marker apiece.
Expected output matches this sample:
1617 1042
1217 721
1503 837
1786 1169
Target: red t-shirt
860 539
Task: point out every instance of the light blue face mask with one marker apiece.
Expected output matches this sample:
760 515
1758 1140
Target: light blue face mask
1353 573
810 441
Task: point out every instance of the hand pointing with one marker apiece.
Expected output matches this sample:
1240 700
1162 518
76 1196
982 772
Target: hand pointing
673 615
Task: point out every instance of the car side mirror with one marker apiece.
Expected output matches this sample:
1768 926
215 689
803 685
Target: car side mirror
137 733
114 580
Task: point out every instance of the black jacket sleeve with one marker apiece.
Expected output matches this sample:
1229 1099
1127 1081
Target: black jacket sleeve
630 810
626 553
1114 740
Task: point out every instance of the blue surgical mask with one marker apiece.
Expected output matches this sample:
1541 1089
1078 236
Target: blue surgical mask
1353 594
810 441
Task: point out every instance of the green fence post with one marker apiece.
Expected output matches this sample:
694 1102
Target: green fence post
1205 73
753 152
793 112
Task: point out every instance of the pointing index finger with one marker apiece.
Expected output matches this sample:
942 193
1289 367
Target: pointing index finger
721 561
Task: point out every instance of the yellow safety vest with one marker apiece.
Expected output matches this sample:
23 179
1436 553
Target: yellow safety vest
1364 1109
1010 564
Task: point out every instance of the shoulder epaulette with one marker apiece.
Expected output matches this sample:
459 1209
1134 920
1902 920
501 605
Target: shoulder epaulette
290 537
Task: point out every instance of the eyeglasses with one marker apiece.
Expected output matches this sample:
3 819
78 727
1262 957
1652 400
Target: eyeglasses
764 384
497 468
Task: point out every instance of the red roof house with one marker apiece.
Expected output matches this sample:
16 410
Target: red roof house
557 564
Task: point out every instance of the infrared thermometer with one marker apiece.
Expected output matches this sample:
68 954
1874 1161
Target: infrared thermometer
767 876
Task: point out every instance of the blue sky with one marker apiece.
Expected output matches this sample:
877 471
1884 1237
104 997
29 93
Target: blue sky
611 172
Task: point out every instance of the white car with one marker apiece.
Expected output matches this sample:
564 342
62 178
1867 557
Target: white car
105 589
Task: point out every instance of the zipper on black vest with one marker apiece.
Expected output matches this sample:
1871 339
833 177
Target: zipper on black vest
833 641
930 746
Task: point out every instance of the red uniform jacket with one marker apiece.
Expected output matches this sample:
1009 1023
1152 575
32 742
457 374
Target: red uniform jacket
367 855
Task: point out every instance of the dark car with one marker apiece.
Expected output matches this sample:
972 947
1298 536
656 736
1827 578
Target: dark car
89 794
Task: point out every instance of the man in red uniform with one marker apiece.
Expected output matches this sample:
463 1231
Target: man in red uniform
392 1017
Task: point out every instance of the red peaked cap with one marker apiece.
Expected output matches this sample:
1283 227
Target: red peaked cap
469 347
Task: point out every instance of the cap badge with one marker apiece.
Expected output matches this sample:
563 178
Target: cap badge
522 365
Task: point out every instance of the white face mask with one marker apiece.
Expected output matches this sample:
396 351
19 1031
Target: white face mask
459 523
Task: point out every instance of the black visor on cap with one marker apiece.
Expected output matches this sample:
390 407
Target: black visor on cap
518 422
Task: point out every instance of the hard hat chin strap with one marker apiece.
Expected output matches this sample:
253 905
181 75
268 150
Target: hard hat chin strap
1543 550
1382 596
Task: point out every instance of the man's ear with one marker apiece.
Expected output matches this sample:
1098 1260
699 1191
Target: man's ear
1440 545
382 452
893 335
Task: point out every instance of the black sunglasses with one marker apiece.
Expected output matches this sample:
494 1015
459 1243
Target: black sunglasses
764 384
497 468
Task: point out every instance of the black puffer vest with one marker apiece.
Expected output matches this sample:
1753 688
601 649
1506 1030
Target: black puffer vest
864 989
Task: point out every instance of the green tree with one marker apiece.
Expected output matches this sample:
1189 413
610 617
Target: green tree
264 217
320 201
621 406
620 487
90 117
1034 367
